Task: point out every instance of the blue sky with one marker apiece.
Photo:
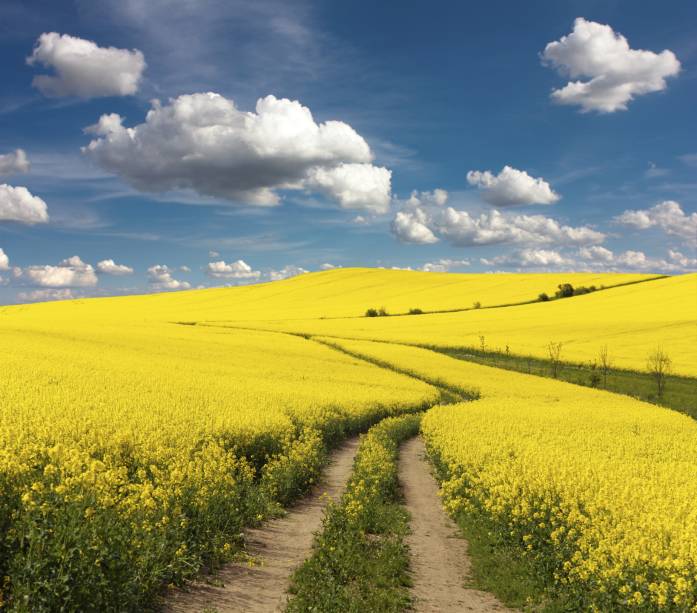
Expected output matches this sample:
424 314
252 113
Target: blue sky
453 97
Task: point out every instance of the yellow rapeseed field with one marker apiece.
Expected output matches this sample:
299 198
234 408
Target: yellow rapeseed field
131 454
631 320
139 435
335 293
598 487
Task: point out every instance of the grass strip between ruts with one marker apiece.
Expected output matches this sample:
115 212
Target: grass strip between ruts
360 560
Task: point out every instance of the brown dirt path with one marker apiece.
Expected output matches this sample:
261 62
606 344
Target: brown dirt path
439 559
280 546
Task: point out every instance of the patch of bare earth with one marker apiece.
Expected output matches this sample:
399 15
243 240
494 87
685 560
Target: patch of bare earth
278 547
438 555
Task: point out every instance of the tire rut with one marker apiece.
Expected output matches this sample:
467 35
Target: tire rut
439 559
278 547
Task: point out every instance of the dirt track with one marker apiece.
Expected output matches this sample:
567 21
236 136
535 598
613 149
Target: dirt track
281 545
439 558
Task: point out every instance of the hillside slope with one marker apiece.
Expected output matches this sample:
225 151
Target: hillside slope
345 292
632 320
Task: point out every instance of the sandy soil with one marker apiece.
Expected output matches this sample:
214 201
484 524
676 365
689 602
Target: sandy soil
439 558
279 546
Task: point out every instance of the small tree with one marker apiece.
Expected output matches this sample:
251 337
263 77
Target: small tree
566 290
415 312
371 313
383 312
482 343
594 378
659 365
604 363
543 297
554 350
477 305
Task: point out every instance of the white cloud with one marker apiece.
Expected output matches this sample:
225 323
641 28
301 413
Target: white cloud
83 69
615 72
599 258
286 272
4 260
462 229
184 269
530 258
512 186
438 197
71 272
213 254
411 227
235 270
683 261
328 266
14 162
109 267
667 216
354 186
444 265
204 143
596 253
42 295
360 220
19 204
160 278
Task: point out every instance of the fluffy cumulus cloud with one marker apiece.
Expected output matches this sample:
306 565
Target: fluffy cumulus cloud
411 226
14 162
203 142
462 229
592 258
667 216
599 258
19 204
512 186
286 272
444 265
109 267
438 197
160 278
84 69
4 260
529 258
234 270
354 186
614 72
43 295
71 272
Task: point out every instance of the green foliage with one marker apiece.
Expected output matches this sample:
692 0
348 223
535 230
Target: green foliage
678 392
565 290
543 297
381 312
415 312
360 561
